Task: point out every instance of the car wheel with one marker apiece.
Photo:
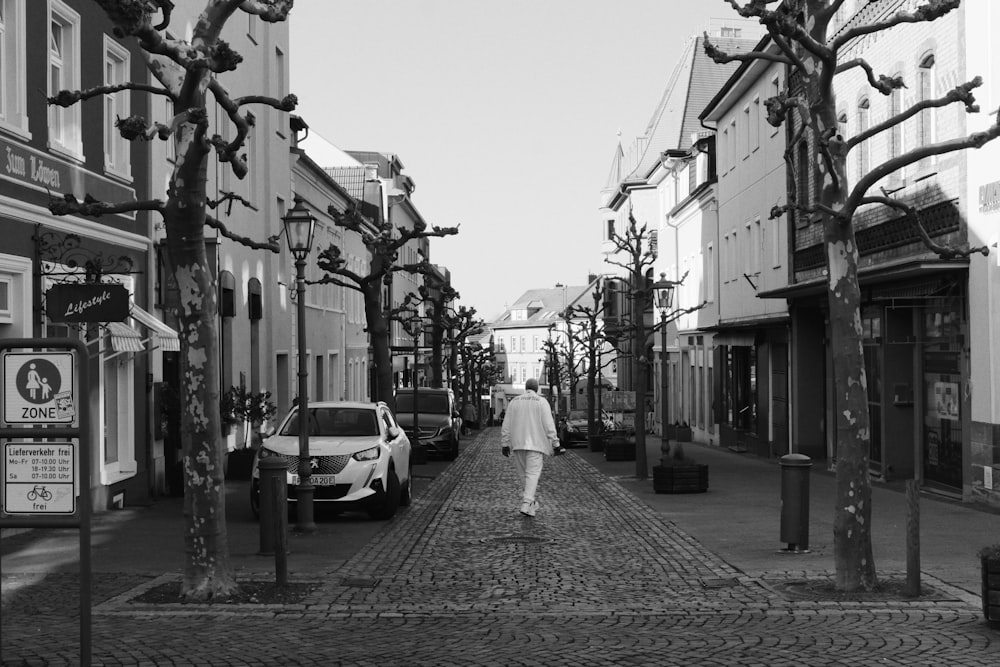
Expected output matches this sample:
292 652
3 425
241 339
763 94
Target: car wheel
453 454
406 493
255 498
392 496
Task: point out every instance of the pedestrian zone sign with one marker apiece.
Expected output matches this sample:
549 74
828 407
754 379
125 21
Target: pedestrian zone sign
38 388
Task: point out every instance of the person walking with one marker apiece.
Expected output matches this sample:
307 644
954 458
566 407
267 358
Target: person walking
530 432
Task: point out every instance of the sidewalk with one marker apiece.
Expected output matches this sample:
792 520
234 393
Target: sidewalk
608 573
739 518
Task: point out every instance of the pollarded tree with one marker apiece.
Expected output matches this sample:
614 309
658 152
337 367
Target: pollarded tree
638 255
799 30
437 294
462 323
383 244
185 73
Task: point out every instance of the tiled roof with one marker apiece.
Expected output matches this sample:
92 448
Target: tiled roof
351 179
694 81
547 304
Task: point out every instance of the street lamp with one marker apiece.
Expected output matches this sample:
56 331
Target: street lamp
299 228
664 297
414 327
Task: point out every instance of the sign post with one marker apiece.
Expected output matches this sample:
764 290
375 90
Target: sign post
43 478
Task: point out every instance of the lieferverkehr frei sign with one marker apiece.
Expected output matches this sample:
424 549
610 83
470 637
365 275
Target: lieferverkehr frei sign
38 388
79 302
39 478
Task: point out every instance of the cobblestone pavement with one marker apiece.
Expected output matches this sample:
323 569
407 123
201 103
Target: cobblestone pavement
461 578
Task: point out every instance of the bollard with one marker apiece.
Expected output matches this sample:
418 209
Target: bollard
795 502
273 512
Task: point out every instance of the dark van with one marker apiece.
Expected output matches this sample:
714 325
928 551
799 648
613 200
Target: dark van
437 418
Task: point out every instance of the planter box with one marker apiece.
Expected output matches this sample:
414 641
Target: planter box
991 590
619 448
239 464
596 443
680 478
679 433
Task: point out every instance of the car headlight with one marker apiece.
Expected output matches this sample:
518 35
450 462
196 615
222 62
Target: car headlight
264 452
368 454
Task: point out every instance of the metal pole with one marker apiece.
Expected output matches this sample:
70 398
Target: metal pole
664 386
304 490
913 538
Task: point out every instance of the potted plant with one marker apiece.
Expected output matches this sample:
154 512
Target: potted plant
989 558
679 474
252 410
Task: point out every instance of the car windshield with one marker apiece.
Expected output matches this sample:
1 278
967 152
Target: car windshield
335 421
427 403
577 414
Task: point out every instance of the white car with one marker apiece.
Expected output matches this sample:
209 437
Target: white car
359 457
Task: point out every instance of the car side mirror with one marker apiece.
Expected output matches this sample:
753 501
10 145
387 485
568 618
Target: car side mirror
393 432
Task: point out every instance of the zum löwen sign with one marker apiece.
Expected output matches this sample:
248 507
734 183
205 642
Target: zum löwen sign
78 302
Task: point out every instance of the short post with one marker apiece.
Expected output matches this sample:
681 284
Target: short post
795 502
273 502
913 538
279 501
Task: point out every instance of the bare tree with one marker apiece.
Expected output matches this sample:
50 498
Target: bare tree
383 244
638 255
186 74
799 30
437 295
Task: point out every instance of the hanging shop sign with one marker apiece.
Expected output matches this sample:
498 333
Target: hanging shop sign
81 302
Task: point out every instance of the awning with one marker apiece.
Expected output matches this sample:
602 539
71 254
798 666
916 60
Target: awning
734 338
871 275
162 336
124 338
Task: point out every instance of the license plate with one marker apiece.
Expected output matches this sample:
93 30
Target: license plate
317 480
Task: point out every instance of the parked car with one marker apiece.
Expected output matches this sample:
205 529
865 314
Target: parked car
574 427
437 416
360 458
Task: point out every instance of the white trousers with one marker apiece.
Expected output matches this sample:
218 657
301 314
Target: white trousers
529 469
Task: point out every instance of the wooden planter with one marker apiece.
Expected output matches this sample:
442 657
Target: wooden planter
991 589
679 433
680 478
619 448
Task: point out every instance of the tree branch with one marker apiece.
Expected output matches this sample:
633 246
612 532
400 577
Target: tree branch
720 57
974 140
271 243
943 251
67 98
229 197
94 208
961 93
884 84
332 280
930 11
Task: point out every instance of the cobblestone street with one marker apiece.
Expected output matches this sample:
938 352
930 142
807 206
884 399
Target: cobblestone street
461 578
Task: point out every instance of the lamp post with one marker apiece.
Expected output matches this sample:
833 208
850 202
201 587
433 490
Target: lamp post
665 294
414 326
299 228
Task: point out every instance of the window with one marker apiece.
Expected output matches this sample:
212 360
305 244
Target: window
13 105
710 274
536 344
754 127
774 91
896 132
727 250
732 143
611 229
726 157
746 131
64 74
6 315
116 71
802 181
775 243
281 67
756 246
864 122
727 31
925 91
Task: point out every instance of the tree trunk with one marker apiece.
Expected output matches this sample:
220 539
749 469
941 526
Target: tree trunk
378 332
437 343
208 571
853 560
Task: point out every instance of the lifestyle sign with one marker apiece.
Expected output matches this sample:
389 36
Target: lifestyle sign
78 302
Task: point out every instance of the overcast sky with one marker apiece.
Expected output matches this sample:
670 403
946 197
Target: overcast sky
505 113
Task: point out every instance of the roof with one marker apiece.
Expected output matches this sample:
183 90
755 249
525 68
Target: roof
351 179
547 303
694 81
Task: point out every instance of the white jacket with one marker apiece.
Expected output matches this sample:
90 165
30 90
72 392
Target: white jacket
528 424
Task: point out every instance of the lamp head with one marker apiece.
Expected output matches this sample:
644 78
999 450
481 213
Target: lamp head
300 225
